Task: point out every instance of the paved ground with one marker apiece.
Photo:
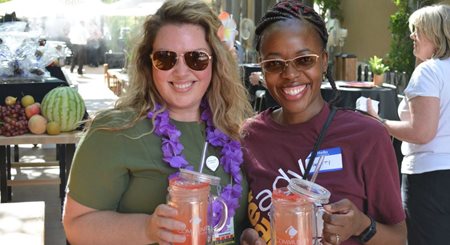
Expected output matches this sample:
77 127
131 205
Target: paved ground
97 96
92 88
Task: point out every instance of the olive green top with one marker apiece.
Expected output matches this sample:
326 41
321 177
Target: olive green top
124 171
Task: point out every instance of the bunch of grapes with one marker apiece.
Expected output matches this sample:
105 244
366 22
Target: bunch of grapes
13 120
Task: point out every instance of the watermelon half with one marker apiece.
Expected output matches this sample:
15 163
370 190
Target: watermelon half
65 106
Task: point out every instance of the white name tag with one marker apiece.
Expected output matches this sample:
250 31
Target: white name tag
332 160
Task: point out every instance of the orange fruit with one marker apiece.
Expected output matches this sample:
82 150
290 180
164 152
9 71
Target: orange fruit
53 128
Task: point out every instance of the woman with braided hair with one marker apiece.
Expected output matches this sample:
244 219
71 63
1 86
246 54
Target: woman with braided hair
359 169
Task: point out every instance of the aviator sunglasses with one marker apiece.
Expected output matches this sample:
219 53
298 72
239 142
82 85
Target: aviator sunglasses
165 60
301 63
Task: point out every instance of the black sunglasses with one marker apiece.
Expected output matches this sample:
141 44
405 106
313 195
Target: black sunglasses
301 63
165 60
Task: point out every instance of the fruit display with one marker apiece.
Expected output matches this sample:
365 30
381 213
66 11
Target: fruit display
23 115
65 106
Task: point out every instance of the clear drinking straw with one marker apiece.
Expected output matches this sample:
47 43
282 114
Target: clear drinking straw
316 171
202 163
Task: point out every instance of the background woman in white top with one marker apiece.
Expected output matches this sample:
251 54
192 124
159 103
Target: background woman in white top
424 128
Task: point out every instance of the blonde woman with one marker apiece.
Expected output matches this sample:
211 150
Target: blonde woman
185 90
424 128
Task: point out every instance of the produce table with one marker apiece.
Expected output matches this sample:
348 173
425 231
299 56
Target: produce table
65 143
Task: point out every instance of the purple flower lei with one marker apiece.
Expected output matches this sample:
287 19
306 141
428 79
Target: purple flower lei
231 158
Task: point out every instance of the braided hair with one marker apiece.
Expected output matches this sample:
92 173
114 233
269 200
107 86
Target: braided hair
294 9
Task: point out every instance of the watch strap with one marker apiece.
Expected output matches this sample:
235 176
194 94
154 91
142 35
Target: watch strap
369 232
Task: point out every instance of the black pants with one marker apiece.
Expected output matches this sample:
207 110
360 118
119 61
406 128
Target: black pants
78 57
427 204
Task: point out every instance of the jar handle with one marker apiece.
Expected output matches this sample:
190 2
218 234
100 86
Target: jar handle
223 220
319 223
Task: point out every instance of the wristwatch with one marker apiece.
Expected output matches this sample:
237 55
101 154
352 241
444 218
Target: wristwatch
369 232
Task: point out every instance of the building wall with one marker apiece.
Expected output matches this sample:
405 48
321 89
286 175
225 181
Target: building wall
367 22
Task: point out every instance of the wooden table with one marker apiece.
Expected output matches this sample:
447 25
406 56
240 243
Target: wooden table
22 223
65 143
119 80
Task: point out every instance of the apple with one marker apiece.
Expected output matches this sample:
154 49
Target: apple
27 100
32 109
9 100
37 124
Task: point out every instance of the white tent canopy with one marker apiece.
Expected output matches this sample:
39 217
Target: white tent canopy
133 7
79 8
52 8
29 8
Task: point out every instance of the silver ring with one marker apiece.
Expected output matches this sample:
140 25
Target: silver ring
337 238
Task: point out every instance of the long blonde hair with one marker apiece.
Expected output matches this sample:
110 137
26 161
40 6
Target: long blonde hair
226 95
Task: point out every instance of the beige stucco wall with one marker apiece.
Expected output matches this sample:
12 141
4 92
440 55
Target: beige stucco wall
367 22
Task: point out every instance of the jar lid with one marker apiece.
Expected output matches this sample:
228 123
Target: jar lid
310 190
284 194
183 183
200 177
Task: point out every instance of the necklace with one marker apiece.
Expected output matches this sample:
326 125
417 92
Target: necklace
231 154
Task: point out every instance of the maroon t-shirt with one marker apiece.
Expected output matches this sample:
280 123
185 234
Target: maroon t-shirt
368 175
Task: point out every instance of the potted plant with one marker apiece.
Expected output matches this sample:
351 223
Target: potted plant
378 69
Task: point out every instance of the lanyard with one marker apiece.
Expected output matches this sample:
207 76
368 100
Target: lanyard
319 141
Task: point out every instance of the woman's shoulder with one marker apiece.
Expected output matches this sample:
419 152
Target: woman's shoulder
357 120
359 129
432 66
118 122
252 120
429 79
113 118
258 120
